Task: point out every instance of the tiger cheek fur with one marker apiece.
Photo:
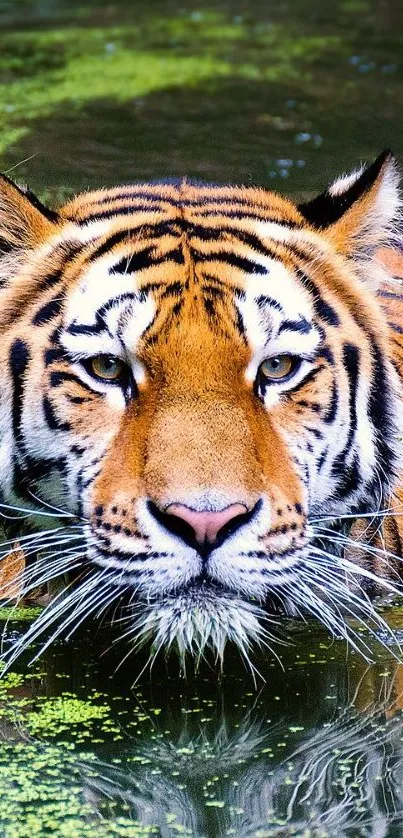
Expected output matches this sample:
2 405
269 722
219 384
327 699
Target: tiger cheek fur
203 379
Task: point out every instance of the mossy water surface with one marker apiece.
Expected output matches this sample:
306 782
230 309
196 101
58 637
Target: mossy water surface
280 94
314 749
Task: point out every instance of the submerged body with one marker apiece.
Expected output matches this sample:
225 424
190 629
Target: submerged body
204 380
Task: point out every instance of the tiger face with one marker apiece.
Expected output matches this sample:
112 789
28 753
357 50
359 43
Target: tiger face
194 377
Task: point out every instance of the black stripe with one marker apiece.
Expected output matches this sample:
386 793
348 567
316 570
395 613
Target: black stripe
138 194
331 411
112 241
239 293
59 377
314 431
95 329
239 324
324 310
175 289
314 406
141 194
49 280
396 328
99 325
302 326
52 419
5 247
47 312
18 361
251 214
214 234
77 399
390 295
351 363
34 468
65 251
309 377
77 450
212 290
322 459
54 354
263 300
177 308
209 307
134 262
129 209
379 409
145 259
326 352
351 360
230 258
351 480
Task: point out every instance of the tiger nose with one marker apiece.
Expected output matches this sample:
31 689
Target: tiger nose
208 526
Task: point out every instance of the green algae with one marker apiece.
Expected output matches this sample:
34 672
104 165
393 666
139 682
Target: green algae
42 794
43 784
264 93
19 614
171 758
59 714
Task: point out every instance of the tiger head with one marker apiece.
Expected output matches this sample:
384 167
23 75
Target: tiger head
198 377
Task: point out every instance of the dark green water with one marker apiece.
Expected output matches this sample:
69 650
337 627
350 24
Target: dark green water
314 750
286 95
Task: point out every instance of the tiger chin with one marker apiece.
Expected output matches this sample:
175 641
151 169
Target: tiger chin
200 408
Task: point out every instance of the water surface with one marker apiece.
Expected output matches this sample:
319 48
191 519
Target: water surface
313 748
285 94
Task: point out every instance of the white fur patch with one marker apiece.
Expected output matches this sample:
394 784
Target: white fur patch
345 182
262 321
129 316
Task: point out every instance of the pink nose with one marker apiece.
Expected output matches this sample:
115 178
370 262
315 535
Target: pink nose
206 525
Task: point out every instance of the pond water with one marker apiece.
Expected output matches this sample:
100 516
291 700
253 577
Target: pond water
314 749
286 95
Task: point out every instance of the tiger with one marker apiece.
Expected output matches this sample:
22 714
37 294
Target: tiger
201 408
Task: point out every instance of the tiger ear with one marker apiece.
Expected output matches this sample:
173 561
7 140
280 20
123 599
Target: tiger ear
360 212
24 221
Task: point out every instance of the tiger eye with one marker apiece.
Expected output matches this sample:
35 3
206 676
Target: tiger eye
107 367
277 367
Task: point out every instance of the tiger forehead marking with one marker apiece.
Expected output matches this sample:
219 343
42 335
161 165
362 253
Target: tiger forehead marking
198 376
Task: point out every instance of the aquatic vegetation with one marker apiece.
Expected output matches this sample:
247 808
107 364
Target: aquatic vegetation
43 794
19 614
92 96
171 759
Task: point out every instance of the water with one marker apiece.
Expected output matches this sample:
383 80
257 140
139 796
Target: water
314 749
285 95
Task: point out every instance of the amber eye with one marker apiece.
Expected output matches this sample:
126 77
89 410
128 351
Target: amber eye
278 367
106 367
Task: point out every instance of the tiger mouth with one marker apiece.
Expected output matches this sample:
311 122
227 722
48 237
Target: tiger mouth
196 593
205 595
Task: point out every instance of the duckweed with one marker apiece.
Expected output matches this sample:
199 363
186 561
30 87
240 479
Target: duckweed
42 794
19 614
56 715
